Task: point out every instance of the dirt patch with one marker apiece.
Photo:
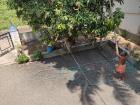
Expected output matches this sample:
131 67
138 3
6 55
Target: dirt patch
133 48
130 36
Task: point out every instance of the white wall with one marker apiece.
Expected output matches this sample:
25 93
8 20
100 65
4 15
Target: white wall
131 22
30 36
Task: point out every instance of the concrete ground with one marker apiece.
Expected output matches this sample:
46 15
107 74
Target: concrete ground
8 58
58 81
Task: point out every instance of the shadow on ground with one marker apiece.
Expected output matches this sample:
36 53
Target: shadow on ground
88 77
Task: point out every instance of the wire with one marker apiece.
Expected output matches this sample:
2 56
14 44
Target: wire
88 81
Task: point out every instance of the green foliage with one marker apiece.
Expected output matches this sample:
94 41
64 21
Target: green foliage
114 21
124 33
7 15
22 58
64 18
47 40
37 55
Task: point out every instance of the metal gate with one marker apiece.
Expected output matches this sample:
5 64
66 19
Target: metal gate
6 44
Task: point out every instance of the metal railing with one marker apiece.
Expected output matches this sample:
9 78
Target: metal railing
6 43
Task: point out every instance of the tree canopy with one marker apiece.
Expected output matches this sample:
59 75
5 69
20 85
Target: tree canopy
65 18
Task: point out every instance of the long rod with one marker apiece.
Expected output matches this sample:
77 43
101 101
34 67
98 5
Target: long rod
117 47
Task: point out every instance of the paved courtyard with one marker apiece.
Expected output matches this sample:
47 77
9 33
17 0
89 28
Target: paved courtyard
58 81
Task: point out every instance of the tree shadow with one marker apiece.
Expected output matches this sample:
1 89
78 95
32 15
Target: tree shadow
88 81
122 88
132 75
82 76
121 91
88 77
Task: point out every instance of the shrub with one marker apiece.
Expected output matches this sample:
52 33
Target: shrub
22 59
124 33
37 55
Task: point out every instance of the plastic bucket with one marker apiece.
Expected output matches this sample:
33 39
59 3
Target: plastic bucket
50 49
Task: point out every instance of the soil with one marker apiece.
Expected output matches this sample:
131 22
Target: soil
133 48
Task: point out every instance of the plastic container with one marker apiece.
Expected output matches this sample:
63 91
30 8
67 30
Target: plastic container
50 49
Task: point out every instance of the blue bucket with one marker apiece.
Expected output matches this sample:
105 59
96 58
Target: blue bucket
50 49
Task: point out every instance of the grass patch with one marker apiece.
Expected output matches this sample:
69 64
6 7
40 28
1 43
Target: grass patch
6 15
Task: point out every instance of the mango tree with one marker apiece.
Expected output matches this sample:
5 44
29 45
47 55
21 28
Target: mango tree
59 19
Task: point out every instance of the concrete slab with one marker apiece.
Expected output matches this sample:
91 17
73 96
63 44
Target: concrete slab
59 81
